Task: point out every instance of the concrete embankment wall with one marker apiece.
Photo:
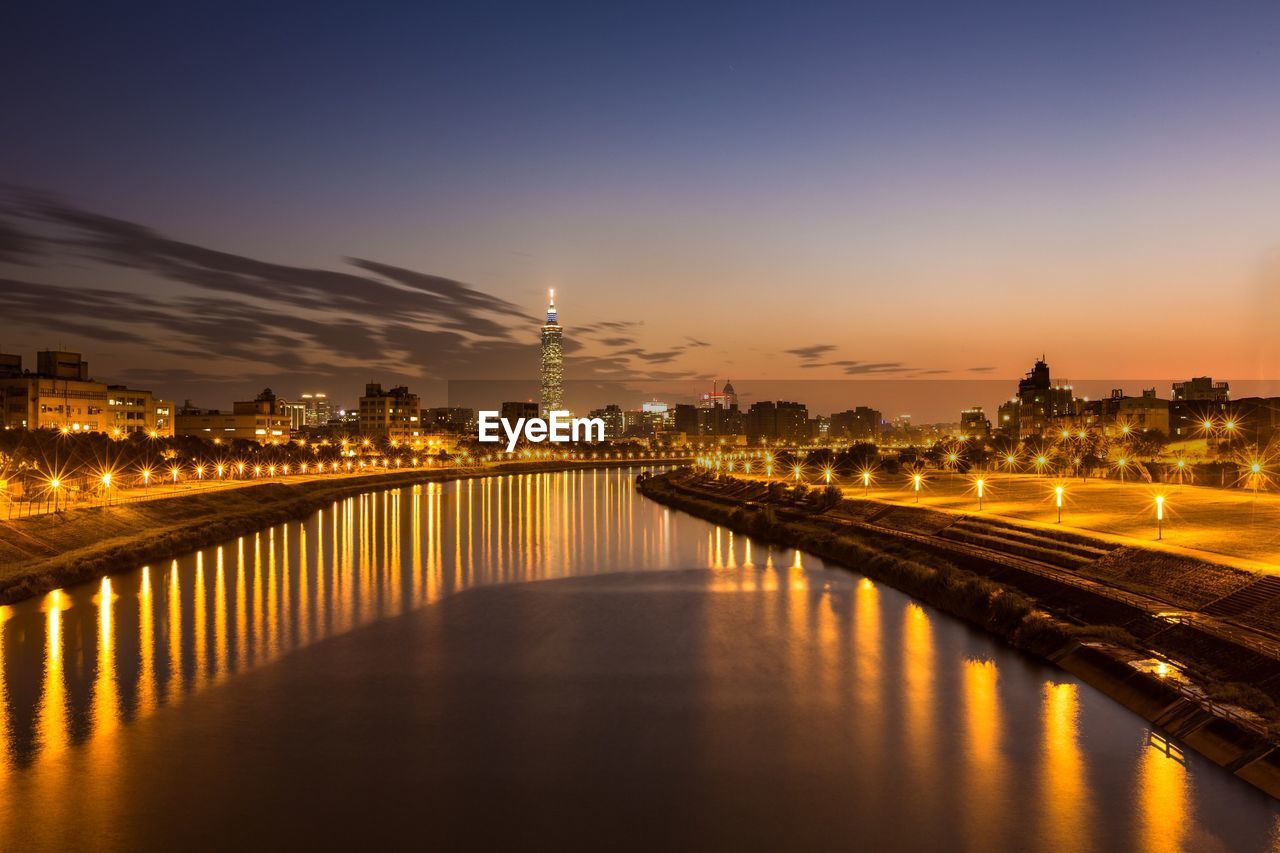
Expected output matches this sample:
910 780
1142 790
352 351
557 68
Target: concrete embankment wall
991 596
61 549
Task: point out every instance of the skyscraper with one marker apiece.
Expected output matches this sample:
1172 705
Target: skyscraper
552 361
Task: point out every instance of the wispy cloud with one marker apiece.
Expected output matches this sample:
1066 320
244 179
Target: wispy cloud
811 353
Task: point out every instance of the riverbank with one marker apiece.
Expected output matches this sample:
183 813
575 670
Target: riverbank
1208 682
47 552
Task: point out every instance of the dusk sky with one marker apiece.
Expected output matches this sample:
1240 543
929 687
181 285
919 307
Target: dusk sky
206 199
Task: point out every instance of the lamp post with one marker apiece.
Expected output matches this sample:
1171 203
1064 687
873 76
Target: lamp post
866 483
981 484
1057 491
916 479
1159 516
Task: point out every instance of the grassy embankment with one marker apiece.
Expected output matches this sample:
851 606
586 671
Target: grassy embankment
56 550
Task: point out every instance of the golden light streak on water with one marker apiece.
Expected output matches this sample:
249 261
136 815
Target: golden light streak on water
259 626
242 610
1064 787
304 610
869 676
6 734
148 690
272 608
174 604
201 626
1163 798
919 700
985 786
221 640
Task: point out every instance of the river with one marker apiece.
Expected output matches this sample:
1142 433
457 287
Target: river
552 661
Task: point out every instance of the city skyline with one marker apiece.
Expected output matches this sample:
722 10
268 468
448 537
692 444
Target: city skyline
732 204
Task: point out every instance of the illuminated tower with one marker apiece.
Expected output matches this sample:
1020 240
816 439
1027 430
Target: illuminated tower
552 361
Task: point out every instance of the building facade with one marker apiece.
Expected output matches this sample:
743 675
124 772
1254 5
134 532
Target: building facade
449 420
391 415
262 419
1040 405
1199 407
61 395
861 423
317 408
780 422
974 423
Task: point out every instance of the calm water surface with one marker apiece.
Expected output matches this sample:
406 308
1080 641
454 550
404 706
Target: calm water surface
383 670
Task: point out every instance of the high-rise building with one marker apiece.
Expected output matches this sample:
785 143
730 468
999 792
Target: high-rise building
726 397
615 422
1199 406
552 361
1040 404
393 415
782 422
296 411
858 424
974 423
318 410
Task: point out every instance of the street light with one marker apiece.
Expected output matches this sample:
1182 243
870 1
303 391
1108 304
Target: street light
916 480
866 482
981 484
1159 516
1058 490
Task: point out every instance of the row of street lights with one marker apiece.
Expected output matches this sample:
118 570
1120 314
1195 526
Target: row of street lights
916 480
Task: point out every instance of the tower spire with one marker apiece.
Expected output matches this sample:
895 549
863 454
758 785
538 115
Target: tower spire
551 307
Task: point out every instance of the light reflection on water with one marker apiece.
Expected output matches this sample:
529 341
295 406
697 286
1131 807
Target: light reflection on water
995 751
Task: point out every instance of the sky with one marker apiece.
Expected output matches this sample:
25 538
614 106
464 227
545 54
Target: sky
205 198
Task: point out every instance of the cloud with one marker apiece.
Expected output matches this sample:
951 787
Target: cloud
862 368
694 342
16 246
660 357
980 369
811 353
